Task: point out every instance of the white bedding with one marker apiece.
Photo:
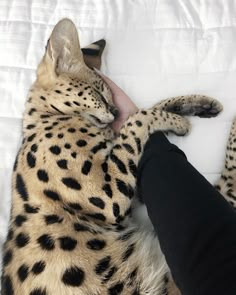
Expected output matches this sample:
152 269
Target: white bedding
155 49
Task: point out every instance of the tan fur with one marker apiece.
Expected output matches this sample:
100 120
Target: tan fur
59 125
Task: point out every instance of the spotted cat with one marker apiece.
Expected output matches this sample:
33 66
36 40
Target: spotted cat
71 230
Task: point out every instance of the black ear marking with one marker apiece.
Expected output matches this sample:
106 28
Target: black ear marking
93 52
94 49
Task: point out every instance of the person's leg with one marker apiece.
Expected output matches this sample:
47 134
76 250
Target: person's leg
195 225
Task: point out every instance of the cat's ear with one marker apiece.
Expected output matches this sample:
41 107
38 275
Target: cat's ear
93 54
63 53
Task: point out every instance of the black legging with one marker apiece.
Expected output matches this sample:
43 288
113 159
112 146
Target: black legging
195 225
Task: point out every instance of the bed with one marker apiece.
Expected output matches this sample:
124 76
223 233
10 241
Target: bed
155 49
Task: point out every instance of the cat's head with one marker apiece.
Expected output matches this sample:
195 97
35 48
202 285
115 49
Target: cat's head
70 86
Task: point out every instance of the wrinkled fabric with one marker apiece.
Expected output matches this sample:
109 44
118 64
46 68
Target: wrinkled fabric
155 49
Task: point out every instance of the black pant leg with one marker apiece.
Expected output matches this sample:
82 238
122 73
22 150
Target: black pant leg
195 225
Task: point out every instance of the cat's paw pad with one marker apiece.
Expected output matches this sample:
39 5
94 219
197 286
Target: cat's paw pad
208 107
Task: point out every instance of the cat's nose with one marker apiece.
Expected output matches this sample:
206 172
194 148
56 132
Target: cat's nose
114 111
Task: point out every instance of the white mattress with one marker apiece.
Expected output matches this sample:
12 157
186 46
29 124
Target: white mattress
155 49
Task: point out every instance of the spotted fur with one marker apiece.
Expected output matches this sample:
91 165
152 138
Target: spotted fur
226 185
71 229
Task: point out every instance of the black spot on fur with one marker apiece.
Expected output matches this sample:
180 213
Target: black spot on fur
101 145
128 148
136 292
73 155
139 123
126 236
31 209
71 130
124 188
20 219
62 164
31 160
21 188
56 150
71 183
109 275
75 206
133 275
22 240
23 272
128 252
42 97
34 148
46 242
31 137
83 130
51 219
38 291
31 111
30 126
86 167
107 189
69 210
64 118
138 143
117 147
73 276
52 195
67 243
123 136
38 267
103 265
81 143
97 216
10 235
81 227
96 244
49 135
144 113
42 175
15 164
120 165
7 257
116 289
7 287
98 202
218 187
67 146
60 135
107 177
128 211
133 168
104 167
116 209
80 93
48 128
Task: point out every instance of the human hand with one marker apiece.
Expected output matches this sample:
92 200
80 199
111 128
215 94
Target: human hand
121 100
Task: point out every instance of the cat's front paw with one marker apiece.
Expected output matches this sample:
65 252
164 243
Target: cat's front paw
208 107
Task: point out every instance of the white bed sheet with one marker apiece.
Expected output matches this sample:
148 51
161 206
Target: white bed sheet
155 49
